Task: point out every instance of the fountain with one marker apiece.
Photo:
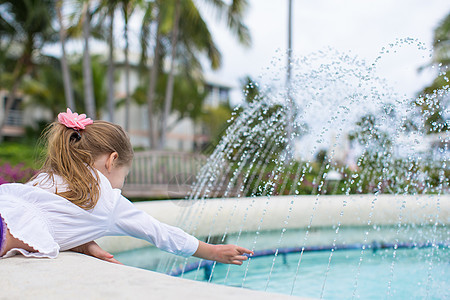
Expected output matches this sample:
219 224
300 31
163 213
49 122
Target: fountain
339 165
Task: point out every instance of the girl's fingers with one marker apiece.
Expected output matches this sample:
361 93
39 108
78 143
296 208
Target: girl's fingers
93 249
236 262
100 253
242 250
240 258
106 254
113 260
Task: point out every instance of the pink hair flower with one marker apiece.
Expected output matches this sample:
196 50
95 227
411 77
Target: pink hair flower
73 120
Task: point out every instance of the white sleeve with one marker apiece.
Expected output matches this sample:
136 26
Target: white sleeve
128 220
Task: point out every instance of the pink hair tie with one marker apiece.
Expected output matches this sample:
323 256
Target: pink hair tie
73 120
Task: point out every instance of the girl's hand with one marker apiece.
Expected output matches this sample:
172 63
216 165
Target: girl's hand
226 254
93 249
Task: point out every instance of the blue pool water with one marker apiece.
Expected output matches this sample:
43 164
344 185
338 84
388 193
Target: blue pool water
418 273
411 277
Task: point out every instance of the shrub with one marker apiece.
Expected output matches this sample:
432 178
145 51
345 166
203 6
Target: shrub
18 173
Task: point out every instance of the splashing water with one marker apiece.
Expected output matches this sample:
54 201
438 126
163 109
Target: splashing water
340 129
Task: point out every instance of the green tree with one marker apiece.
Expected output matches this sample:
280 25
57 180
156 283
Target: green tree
68 90
88 85
30 24
251 89
189 95
6 37
441 42
89 21
234 13
98 70
46 88
107 10
214 119
128 7
154 70
434 98
110 6
180 24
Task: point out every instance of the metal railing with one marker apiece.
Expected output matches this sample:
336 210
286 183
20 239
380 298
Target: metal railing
15 118
162 174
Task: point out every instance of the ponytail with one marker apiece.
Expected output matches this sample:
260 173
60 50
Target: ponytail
71 154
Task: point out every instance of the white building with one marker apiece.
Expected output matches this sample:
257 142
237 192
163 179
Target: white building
20 115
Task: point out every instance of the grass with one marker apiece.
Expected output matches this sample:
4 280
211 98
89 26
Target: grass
15 153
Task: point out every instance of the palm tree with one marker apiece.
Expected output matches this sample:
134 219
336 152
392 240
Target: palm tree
87 68
98 70
68 90
88 21
111 66
110 6
107 8
190 36
170 80
127 9
32 25
153 71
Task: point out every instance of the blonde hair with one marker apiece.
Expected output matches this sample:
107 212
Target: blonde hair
71 154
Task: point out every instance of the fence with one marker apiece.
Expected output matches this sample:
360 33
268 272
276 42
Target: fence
161 174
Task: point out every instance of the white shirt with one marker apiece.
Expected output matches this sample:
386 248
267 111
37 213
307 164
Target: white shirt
50 223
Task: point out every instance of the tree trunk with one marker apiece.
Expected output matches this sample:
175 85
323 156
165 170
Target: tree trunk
127 72
110 74
153 76
68 91
170 80
88 85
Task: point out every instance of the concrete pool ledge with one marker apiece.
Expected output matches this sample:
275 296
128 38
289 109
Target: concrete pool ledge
216 216
76 276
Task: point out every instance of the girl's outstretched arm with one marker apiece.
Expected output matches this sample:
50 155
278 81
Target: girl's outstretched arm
93 249
226 254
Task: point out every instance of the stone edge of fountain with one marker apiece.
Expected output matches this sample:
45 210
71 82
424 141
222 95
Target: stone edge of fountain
74 276
326 211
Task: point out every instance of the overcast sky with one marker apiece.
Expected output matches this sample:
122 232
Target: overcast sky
360 26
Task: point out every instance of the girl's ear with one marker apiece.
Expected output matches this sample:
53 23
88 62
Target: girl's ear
111 160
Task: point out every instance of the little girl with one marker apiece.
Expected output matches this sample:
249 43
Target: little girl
76 198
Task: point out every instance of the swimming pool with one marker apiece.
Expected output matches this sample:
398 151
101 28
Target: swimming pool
408 280
415 273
